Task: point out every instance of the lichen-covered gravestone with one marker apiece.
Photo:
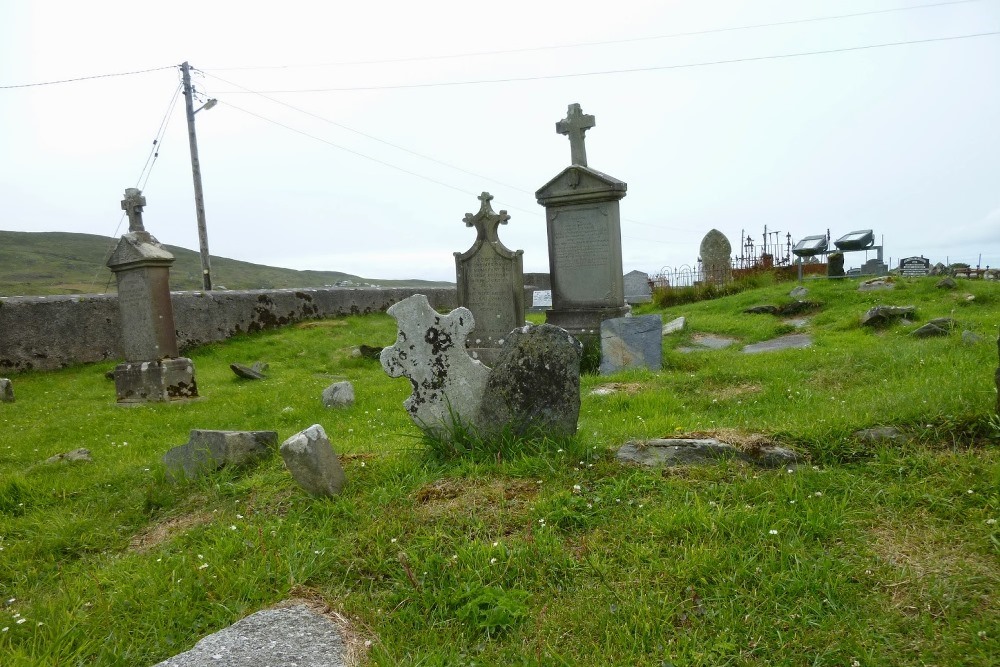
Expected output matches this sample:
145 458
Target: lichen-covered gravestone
430 351
716 257
490 283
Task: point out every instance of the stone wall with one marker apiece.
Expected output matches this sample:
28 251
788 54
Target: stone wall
44 333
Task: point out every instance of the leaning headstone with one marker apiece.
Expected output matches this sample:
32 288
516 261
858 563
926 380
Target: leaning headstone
583 226
430 351
672 452
534 388
339 395
310 459
637 289
6 391
207 451
674 325
294 635
914 267
716 258
632 342
490 283
255 372
153 369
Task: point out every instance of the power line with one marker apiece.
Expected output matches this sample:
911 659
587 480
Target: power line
631 70
531 49
86 78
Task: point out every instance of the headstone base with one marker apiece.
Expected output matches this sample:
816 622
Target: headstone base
155 381
583 322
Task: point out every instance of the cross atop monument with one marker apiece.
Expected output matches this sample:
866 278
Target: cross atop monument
486 221
575 124
132 205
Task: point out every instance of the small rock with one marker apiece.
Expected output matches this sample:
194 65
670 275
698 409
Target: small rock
798 292
310 459
248 372
674 325
207 451
971 338
946 283
339 395
766 309
929 330
6 391
688 451
80 454
880 434
876 284
797 307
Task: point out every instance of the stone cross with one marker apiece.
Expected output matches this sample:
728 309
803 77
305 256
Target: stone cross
486 221
132 205
575 124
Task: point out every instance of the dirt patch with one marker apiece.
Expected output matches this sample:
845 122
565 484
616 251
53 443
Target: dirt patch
748 442
732 391
165 531
449 496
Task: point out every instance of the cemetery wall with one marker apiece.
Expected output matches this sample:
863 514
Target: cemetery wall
48 332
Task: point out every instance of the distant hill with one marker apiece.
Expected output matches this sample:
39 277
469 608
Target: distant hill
44 263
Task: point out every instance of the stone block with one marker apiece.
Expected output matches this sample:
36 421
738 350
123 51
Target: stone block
689 451
208 451
6 391
310 459
154 381
339 395
632 342
674 326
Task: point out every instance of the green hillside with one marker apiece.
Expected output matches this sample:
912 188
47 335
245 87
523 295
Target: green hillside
43 263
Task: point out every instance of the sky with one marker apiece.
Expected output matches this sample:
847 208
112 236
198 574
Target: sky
355 136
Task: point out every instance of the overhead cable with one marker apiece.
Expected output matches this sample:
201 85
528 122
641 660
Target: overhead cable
86 78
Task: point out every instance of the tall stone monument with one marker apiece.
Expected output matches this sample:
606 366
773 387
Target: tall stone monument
153 369
716 258
584 232
490 281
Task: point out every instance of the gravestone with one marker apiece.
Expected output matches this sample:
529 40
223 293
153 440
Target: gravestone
637 289
835 265
153 369
915 266
632 342
583 226
541 299
490 283
207 451
310 459
716 261
6 391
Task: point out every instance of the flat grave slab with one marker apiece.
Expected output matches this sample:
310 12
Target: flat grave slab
790 342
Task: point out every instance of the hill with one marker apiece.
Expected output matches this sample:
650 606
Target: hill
44 263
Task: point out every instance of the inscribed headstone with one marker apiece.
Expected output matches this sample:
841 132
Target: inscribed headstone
490 283
716 257
637 289
915 266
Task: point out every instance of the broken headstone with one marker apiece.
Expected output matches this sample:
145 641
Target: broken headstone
879 315
691 451
255 372
674 325
339 395
310 459
632 342
208 451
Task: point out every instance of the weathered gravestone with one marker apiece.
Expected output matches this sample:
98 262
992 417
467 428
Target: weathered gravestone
207 451
6 391
584 238
632 342
716 261
915 267
310 458
153 369
339 395
637 289
534 387
835 265
490 283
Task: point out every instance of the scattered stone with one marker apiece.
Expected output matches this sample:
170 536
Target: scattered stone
880 315
207 451
970 297
339 395
929 330
448 384
703 342
310 458
632 342
946 283
80 454
370 352
945 323
293 635
674 325
798 292
790 342
877 284
534 388
766 309
971 338
6 391
798 307
255 372
880 434
689 451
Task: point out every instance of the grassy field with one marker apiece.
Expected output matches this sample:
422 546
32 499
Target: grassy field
43 263
869 554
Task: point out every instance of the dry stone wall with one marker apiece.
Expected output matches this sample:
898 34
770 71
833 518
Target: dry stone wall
45 333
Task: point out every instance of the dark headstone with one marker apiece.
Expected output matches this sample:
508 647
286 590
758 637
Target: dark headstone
835 265
534 388
207 451
632 342
310 459
914 266
687 451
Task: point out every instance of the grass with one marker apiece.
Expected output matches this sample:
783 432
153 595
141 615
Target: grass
871 554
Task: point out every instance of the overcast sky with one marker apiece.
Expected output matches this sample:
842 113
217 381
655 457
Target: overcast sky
373 174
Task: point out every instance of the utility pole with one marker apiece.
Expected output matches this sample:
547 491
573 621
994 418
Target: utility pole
199 196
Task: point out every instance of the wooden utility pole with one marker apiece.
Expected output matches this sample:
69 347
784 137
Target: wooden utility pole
199 196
